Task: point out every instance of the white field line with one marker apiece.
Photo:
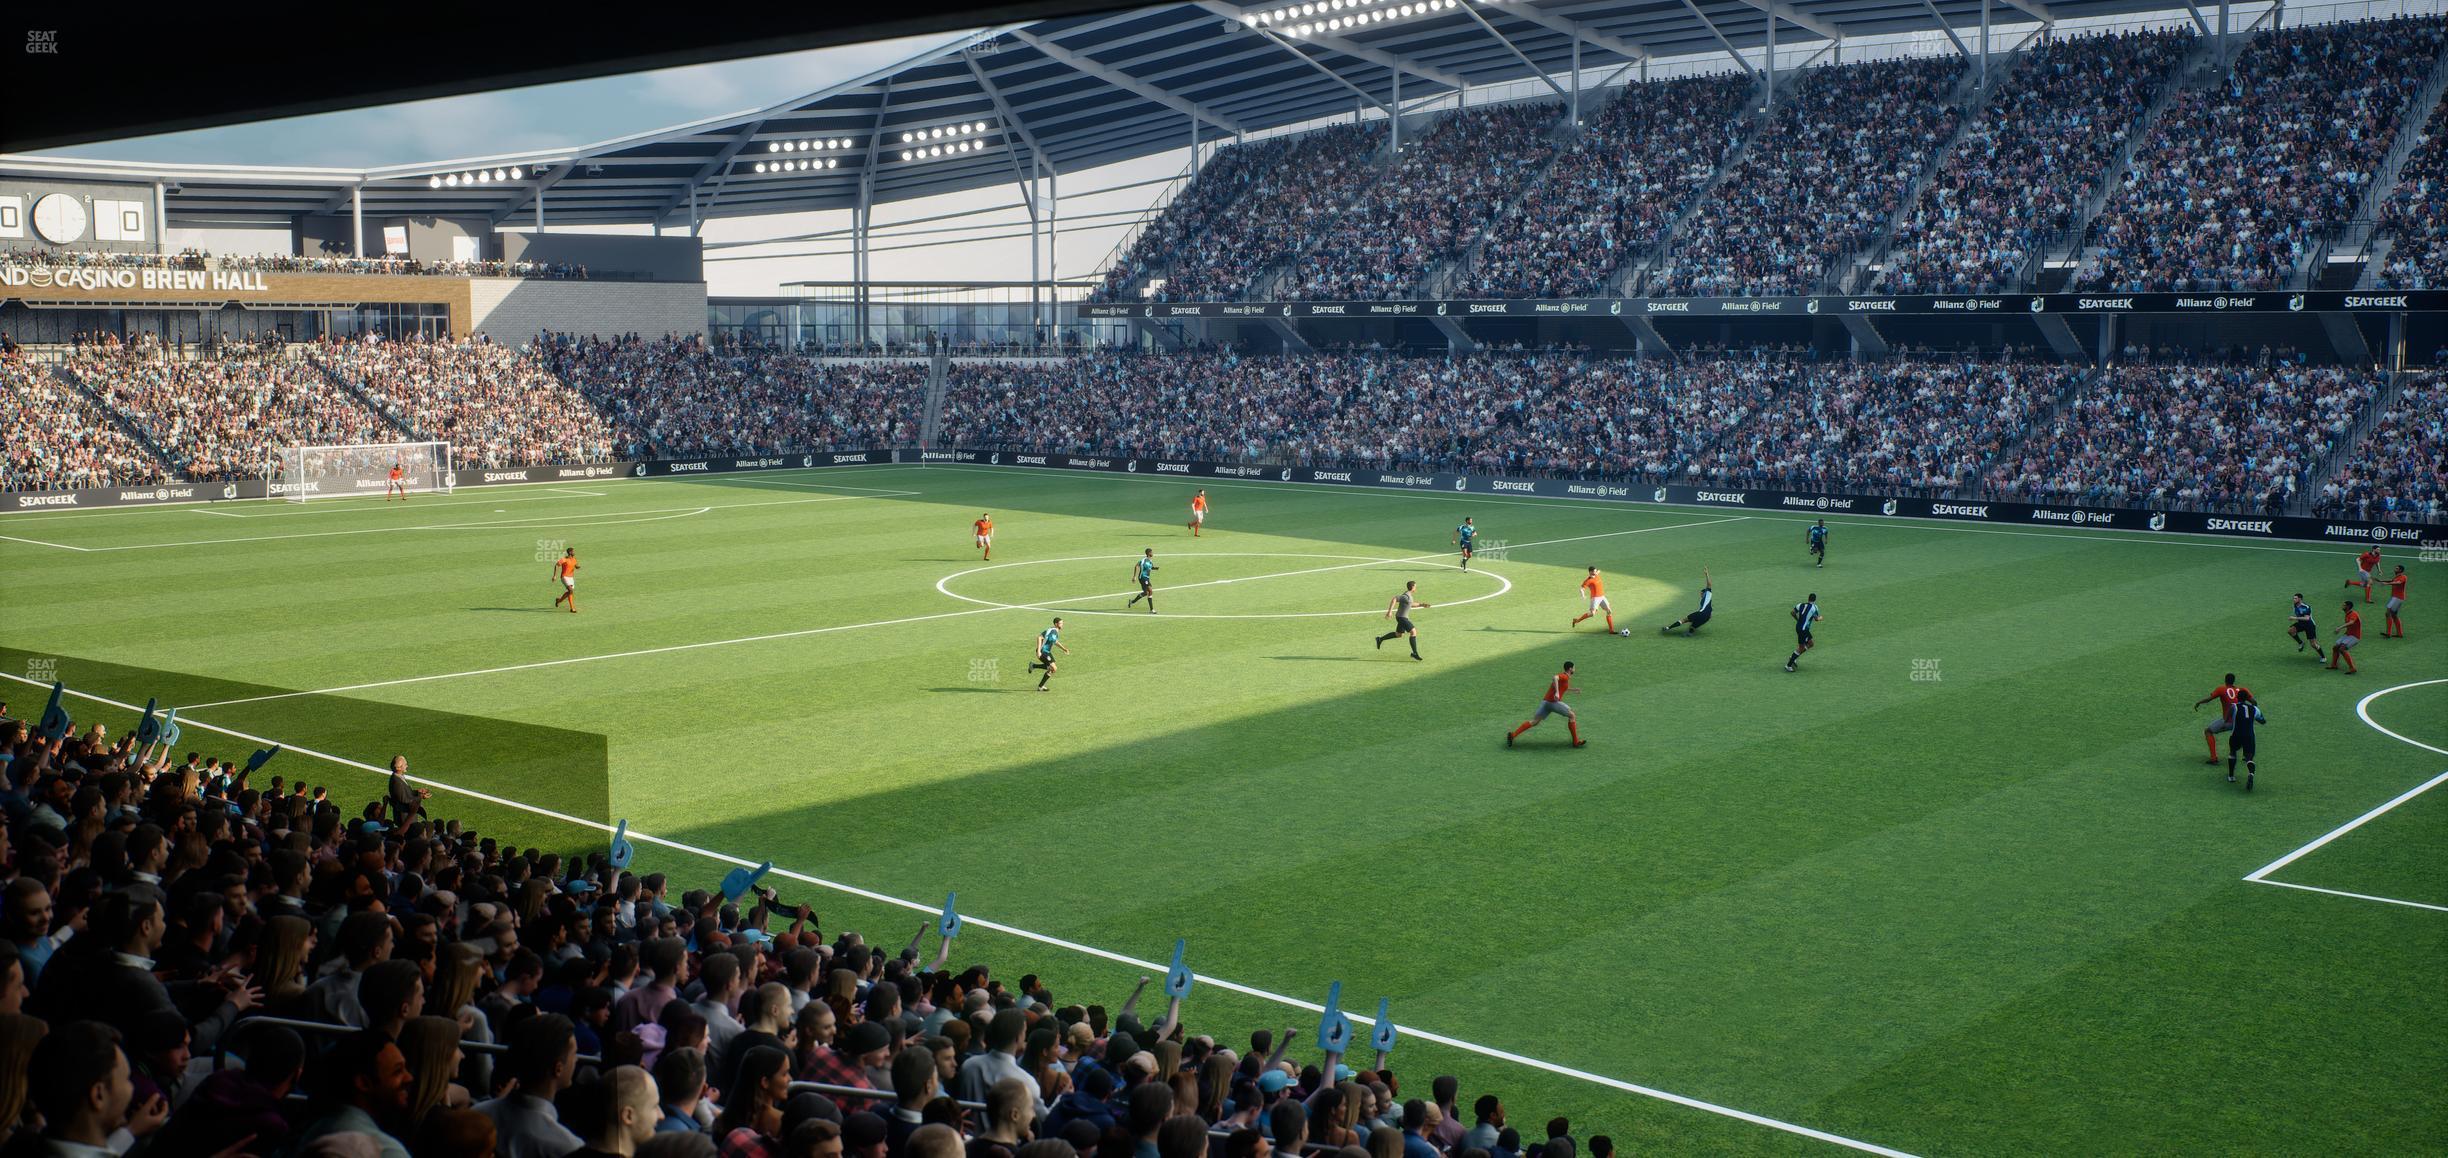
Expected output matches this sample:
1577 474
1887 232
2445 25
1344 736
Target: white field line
570 520
576 491
1041 938
41 543
848 626
2164 538
357 505
2260 875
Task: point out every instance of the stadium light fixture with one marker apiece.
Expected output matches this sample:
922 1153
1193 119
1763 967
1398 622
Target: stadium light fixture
944 140
1333 16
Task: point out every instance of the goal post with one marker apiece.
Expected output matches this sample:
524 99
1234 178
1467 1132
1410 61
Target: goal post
304 473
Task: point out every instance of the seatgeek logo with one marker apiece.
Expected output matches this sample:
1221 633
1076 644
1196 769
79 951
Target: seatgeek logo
494 476
1732 498
1341 476
2249 526
26 501
1518 487
1172 468
1979 512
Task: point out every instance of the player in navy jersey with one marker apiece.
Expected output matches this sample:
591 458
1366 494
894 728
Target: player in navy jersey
1818 542
2302 630
1146 574
1462 537
2240 738
1047 641
1805 617
1708 607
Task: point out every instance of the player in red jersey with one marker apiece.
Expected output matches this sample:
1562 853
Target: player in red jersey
985 534
2365 564
2350 634
2228 694
1553 705
1198 513
2393 625
394 485
1595 588
565 572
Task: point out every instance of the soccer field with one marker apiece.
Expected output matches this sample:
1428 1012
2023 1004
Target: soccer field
1962 884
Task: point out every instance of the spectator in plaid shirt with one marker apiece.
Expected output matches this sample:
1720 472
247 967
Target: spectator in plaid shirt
846 1065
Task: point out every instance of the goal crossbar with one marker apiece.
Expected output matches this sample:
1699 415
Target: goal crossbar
305 473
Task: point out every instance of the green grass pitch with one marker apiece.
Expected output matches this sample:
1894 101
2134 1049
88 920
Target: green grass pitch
1963 884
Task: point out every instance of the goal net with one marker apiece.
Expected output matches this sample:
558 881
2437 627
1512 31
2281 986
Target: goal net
305 473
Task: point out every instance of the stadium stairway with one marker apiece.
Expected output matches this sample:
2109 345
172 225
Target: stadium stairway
1854 271
2056 262
2363 251
931 422
170 466
2333 464
397 423
1638 268
1440 278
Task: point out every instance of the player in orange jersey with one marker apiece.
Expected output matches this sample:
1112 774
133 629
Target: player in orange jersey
2365 564
1595 588
985 534
1557 686
394 485
565 572
2393 625
2349 634
2228 694
1198 512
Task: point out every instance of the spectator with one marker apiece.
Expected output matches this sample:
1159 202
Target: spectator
751 1119
999 1060
629 1113
542 1061
365 1090
1010 1111
680 1076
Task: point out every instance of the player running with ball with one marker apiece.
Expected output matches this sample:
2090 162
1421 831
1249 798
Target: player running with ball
1595 588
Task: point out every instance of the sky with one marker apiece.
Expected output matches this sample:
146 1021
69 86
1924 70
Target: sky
581 112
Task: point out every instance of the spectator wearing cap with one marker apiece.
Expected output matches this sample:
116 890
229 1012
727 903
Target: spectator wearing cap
864 1135
1089 1101
542 1061
1246 1142
366 1084
1001 1059
866 1045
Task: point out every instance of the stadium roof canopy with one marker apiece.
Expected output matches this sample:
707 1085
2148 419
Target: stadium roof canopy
1066 93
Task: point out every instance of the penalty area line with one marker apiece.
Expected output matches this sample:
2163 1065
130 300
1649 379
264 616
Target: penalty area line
1039 938
2260 876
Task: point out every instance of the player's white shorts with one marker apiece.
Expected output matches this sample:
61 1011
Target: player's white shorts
2394 603
570 582
2225 724
1599 603
2345 643
1548 708
985 540
1198 516
2362 576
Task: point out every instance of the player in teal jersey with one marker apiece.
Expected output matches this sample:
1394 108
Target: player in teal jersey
1805 617
1462 537
1818 542
1146 574
1047 641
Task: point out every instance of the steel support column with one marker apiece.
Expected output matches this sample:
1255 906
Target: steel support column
356 220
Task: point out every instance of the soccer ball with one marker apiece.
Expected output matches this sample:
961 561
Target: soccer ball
1625 632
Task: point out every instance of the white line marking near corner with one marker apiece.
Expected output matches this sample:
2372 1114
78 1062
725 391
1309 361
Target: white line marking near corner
2260 875
41 543
1043 939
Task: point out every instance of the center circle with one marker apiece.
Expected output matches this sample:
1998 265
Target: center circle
1353 563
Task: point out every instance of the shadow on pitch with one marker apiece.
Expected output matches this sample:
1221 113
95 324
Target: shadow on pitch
970 688
519 610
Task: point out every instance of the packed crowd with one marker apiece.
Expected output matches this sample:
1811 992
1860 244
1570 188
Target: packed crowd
1540 413
496 407
1434 201
1262 229
2029 161
2415 219
1821 177
59 440
101 259
296 263
224 417
2398 471
1222 181
2202 437
199 959
1932 426
1610 197
2237 183
682 397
